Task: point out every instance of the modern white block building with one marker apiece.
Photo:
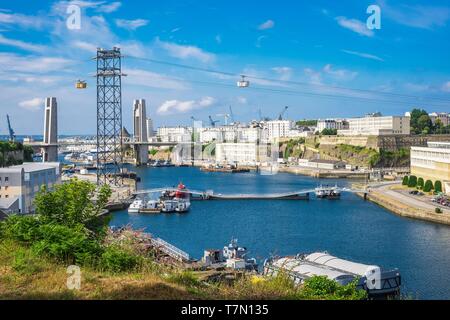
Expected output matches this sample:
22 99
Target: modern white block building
377 125
19 184
150 129
175 134
332 124
50 153
242 153
278 128
432 163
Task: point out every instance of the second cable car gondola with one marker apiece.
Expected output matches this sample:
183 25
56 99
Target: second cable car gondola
81 84
243 83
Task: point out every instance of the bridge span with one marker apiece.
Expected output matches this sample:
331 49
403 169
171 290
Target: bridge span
210 195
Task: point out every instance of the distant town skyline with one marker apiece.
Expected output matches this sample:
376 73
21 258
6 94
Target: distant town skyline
303 55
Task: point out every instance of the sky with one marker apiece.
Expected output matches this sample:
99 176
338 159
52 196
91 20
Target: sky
319 58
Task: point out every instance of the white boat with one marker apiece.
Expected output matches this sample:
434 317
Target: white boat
182 206
169 205
136 206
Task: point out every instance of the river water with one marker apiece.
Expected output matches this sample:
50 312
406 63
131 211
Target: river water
350 228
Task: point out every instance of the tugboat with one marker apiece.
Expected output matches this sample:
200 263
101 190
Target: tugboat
182 196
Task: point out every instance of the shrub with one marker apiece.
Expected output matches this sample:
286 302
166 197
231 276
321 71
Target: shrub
412 183
320 287
428 186
118 260
25 262
405 181
438 186
438 210
71 245
420 183
20 228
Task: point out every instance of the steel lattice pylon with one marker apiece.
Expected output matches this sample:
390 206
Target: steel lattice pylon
109 116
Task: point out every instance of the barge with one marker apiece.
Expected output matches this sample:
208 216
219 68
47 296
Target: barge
377 282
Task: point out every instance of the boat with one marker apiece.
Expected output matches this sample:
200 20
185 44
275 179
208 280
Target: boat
182 206
168 206
328 192
136 206
378 282
231 256
152 206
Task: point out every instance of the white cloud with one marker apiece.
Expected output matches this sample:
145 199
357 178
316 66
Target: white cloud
186 51
242 100
85 46
355 26
21 20
22 44
259 41
131 24
416 16
32 104
340 74
363 55
446 86
285 73
153 80
111 7
313 76
30 64
177 106
269 24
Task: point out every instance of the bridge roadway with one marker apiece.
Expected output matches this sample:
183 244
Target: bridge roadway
94 143
210 195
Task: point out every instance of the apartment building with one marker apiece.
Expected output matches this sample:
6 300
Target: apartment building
376 125
332 124
19 184
243 153
278 128
174 134
443 117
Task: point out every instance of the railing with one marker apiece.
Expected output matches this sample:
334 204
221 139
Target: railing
170 249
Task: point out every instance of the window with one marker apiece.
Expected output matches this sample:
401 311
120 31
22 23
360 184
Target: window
6 188
7 196
6 179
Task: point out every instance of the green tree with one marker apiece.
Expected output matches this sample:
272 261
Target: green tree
405 181
412 183
420 183
428 186
329 132
72 203
416 114
438 186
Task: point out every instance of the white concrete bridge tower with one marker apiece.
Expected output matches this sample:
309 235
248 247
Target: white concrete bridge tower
50 141
140 131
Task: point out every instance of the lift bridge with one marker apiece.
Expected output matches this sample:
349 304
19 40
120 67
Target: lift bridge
210 195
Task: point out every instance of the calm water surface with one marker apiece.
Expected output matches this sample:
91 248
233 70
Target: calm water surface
350 227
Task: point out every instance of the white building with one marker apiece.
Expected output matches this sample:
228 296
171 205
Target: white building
332 124
242 153
443 117
377 125
175 134
19 184
432 163
278 128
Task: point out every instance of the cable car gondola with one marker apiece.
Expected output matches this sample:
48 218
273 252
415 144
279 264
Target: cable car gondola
81 84
243 83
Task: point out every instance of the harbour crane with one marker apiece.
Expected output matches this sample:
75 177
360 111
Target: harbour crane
213 122
280 116
12 135
226 116
232 116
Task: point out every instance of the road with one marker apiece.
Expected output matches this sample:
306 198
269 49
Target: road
422 202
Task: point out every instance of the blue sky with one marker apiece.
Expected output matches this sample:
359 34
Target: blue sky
316 57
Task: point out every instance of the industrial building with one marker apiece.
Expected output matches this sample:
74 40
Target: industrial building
432 163
20 184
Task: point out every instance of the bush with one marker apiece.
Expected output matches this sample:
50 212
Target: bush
438 210
69 245
420 183
118 260
320 287
23 229
428 186
405 181
438 186
412 183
